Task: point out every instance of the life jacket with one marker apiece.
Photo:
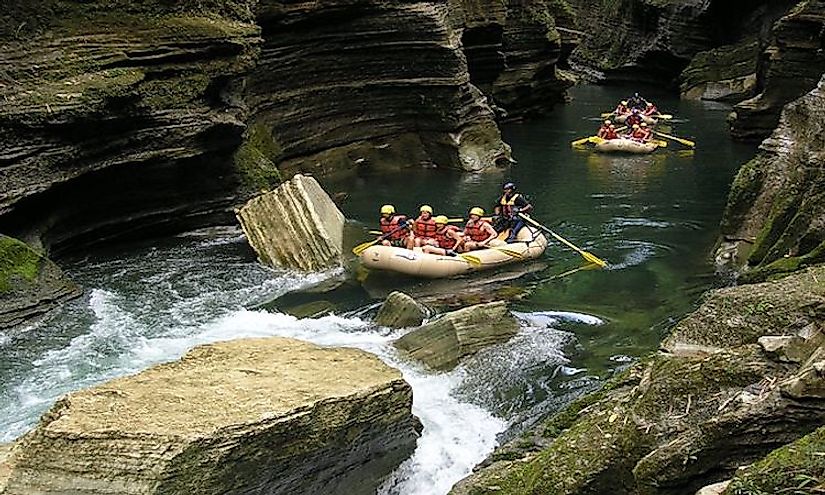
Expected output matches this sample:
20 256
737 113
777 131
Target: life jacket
508 204
445 241
475 231
425 228
603 132
611 133
639 135
389 224
621 110
651 110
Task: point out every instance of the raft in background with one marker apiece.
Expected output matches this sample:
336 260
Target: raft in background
624 145
417 263
622 118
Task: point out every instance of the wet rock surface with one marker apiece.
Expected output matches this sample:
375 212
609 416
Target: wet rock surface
400 311
676 423
774 221
295 226
440 344
30 283
249 416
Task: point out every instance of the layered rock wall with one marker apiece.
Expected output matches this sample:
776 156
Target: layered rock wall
775 217
249 416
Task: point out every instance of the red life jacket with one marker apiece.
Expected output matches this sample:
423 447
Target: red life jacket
621 110
388 225
603 131
639 135
475 231
611 133
445 241
425 228
651 110
508 204
633 119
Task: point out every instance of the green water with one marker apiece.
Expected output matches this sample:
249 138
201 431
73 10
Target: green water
653 217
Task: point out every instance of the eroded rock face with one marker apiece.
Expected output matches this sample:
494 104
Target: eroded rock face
400 311
672 423
30 284
246 416
295 226
774 221
440 344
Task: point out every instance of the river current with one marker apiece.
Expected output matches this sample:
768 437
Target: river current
653 217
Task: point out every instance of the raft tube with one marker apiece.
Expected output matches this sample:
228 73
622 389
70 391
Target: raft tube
417 263
622 118
623 145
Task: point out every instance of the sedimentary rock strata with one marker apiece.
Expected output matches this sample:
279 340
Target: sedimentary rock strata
30 284
400 311
775 217
248 416
294 226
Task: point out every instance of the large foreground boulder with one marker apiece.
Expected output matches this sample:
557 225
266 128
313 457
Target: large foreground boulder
30 284
295 226
255 416
443 342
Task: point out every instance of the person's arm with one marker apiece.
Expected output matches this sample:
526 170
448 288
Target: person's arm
523 205
492 234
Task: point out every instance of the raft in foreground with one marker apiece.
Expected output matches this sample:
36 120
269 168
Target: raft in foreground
531 245
623 145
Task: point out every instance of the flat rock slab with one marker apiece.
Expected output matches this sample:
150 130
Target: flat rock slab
296 225
443 342
249 416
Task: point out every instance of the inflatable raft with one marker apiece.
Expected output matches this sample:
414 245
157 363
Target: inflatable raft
531 244
623 145
622 118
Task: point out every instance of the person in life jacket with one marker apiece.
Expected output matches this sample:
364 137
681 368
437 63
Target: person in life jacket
634 118
509 205
607 131
646 131
637 134
393 227
636 101
651 110
449 238
477 232
622 108
424 228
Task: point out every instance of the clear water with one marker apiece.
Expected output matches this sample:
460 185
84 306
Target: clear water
653 217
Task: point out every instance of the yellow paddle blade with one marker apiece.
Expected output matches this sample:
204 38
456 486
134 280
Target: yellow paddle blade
473 260
595 139
593 259
580 141
660 143
509 252
664 116
589 257
375 232
686 142
455 220
357 250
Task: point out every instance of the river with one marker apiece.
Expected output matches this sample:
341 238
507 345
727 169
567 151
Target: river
653 217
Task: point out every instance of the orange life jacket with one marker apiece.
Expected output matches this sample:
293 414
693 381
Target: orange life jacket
476 231
425 228
508 204
651 110
639 134
389 224
621 110
445 241
632 119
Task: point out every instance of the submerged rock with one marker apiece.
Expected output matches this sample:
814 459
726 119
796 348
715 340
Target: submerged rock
295 226
30 284
774 221
400 311
249 416
675 423
440 344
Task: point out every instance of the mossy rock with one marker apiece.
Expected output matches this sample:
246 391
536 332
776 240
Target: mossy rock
19 264
254 159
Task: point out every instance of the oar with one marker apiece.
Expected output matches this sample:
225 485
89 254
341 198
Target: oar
686 142
509 252
663 116
469 258
589 257
357 250
580 141
590 139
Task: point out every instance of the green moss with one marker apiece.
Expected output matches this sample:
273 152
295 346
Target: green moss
254 158
743 192
18 262
796 469
783 266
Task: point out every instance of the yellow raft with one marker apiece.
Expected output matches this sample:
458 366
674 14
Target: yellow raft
417 263
623 145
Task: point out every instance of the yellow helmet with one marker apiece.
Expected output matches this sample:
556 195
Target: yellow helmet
635 126
624 102
441 219
427 208
387 210
644 124
607 122
476 211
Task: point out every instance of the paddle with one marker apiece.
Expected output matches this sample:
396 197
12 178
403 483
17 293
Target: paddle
357 250
594 139
589 257
508 252
663 116
469 258
686 142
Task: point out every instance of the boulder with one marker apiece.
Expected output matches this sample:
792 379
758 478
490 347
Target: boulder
295 226
714 489
442 343
785 348
253 416
30 284
400 311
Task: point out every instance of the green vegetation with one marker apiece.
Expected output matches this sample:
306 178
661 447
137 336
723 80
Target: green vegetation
795 469
18 262
254 158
